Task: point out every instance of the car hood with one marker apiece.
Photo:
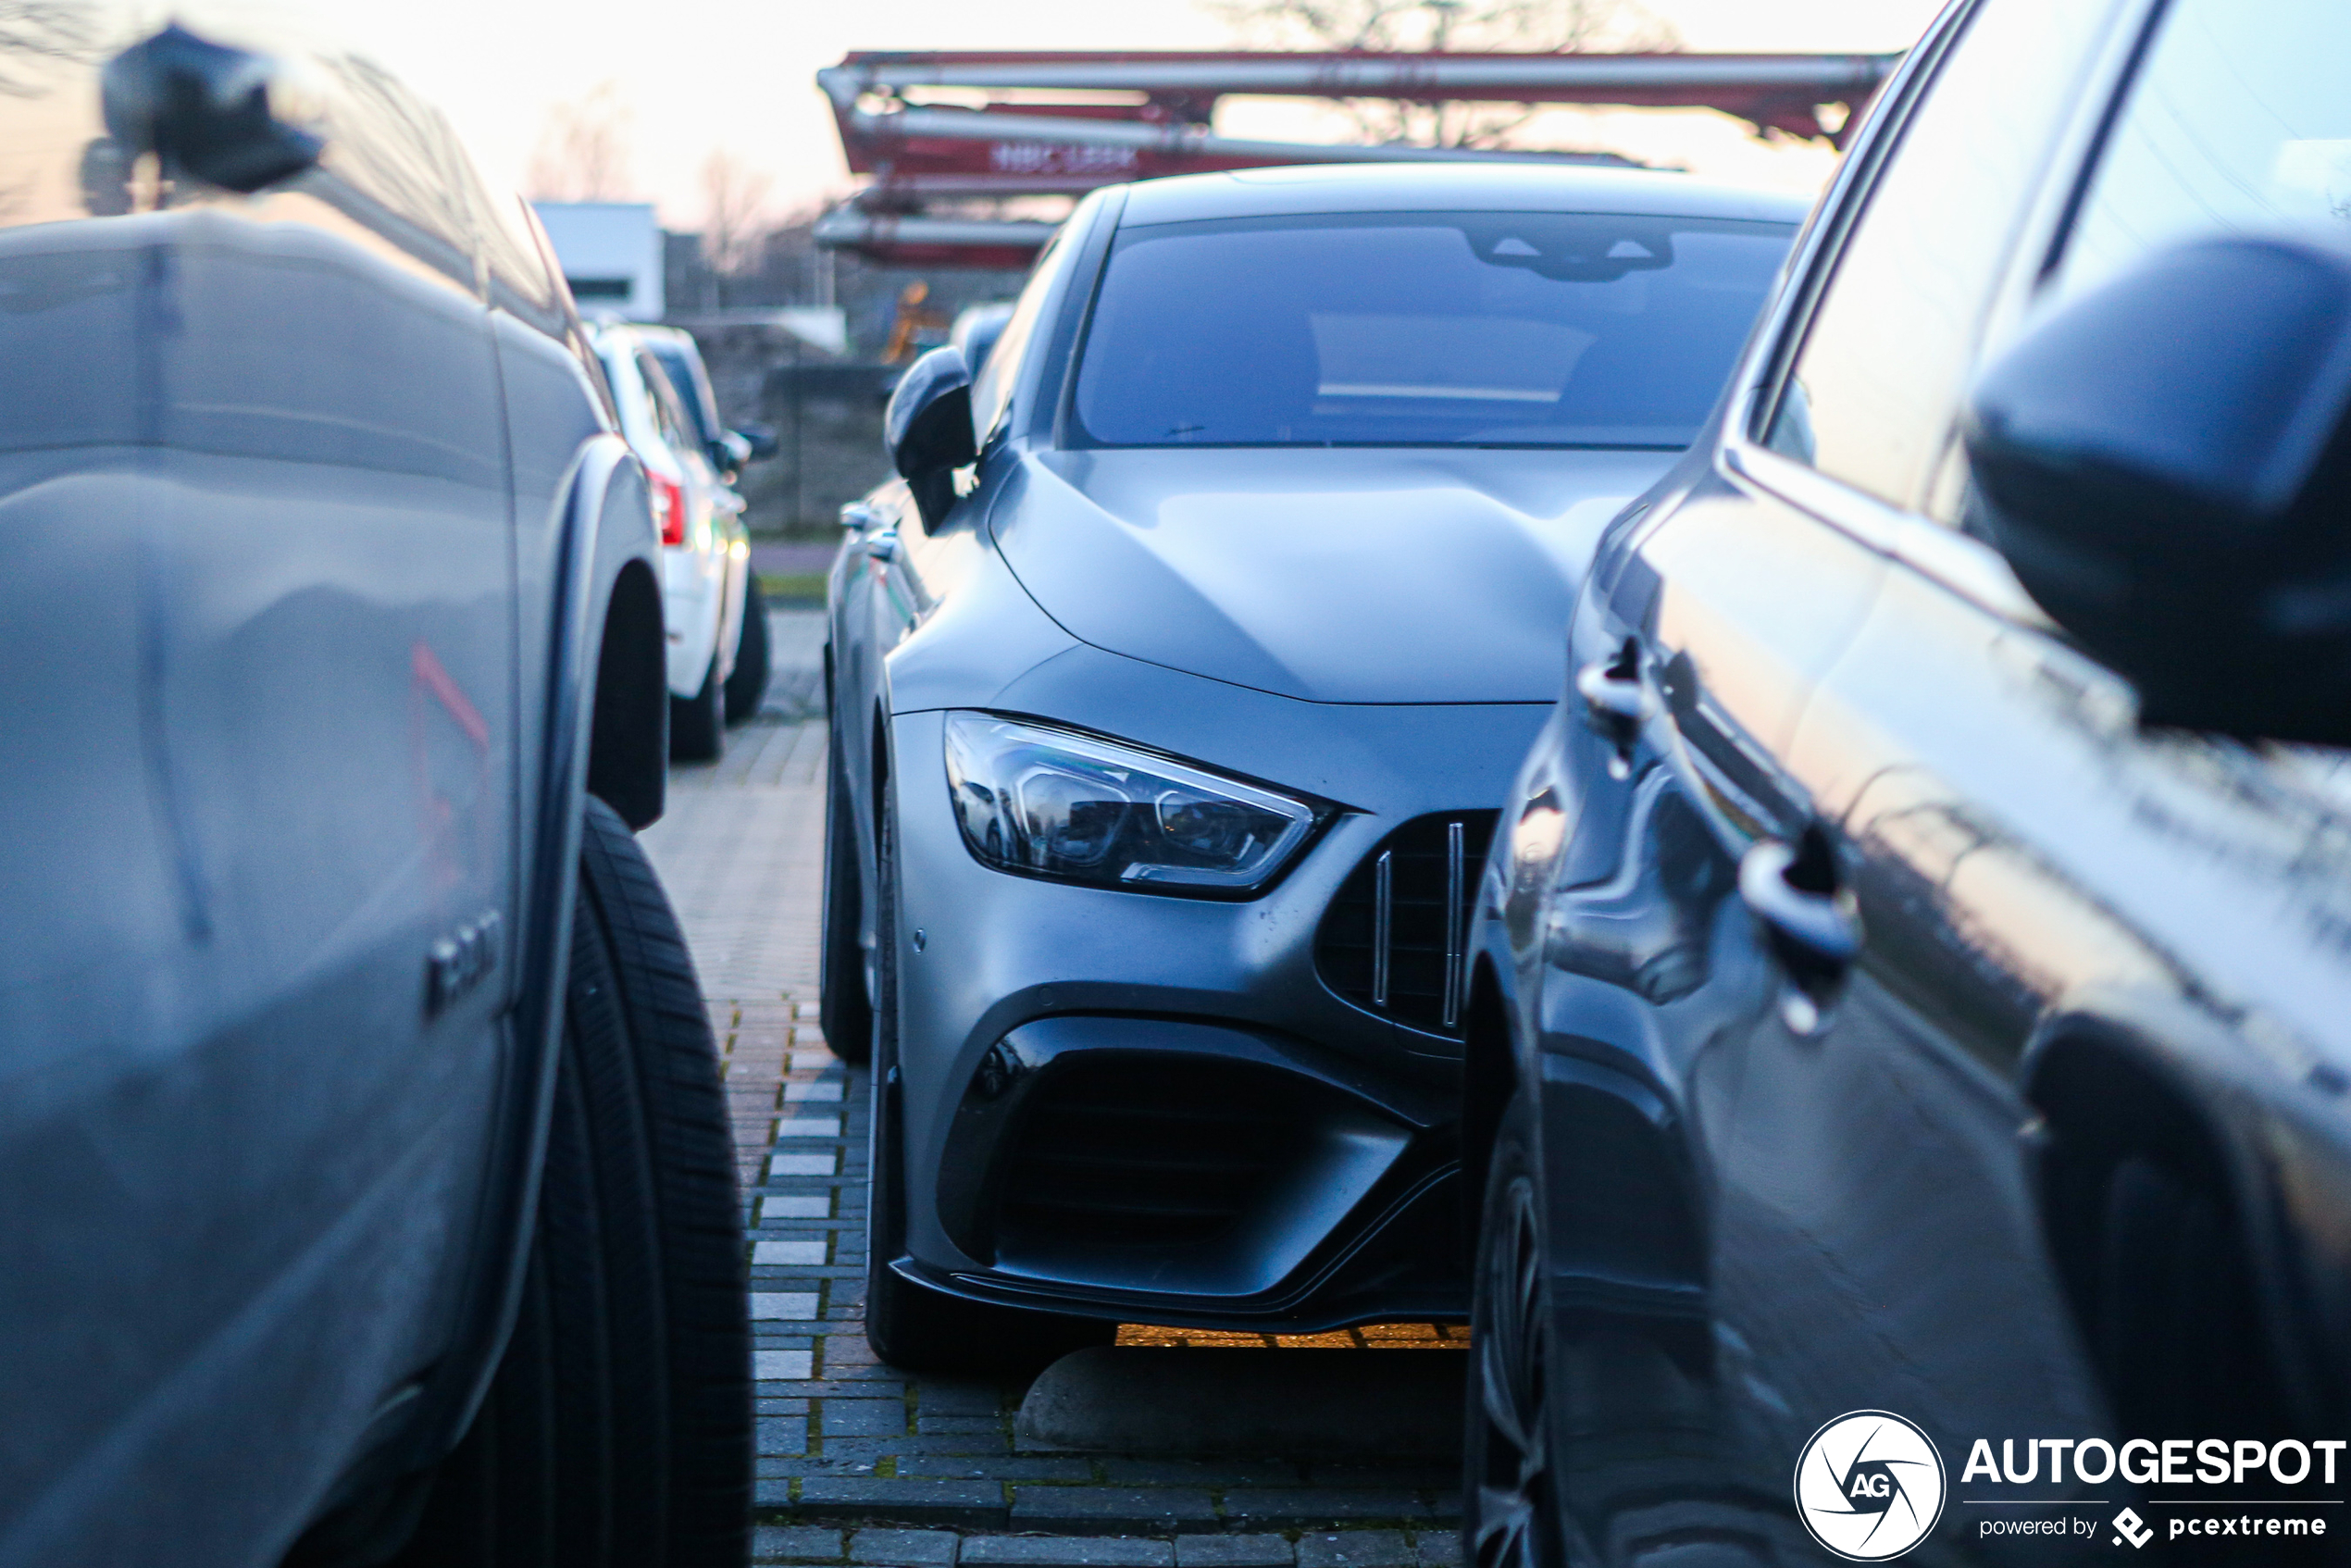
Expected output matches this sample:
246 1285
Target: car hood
1335 575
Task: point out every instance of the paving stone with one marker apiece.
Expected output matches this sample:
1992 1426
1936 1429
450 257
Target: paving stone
902 1549
1066 1551
795 1206
808 1127
1201 1472
977 1504
864 1418
943 1424
812 1092
1309 1508
990 1467
1110 1510
786 1253
795 1306
940 1397
794 1543
782 1366
1439 1548
1355 1549
802 1164
782 1435
1233 1552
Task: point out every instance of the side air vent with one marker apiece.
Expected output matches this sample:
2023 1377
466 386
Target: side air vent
1395 939
1128 1152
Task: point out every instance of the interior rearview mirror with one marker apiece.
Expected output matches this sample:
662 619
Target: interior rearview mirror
928 428
2166 464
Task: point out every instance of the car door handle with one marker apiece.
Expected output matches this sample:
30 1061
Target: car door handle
882 545
1809 918
1617 701
857 514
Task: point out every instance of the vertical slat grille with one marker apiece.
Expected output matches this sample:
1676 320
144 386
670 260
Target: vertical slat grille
1395 939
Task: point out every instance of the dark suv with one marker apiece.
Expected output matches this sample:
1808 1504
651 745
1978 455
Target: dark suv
1911 1004
368 1188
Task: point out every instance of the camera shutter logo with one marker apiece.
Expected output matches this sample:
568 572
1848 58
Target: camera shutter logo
1870 1486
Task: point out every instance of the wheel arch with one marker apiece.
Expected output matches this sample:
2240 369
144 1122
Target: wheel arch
2111 1086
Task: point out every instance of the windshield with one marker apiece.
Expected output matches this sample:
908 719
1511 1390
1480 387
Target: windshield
1421 329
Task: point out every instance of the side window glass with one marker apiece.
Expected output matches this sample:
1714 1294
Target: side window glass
993 390
2238 121
1891 341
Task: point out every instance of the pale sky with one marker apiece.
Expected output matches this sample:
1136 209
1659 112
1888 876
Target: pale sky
740 74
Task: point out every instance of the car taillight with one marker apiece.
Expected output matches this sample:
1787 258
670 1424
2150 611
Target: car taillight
670 509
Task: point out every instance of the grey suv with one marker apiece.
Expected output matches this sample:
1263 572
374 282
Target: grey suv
368 1182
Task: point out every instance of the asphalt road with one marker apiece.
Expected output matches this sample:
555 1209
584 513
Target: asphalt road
860 1463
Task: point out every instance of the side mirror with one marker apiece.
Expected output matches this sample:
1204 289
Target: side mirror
2166 463
206 108
759 441
928 428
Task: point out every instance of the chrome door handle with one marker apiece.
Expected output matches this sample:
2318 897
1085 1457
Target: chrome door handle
1617 702
1811 919
882 545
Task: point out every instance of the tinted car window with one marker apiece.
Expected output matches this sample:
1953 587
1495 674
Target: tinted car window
1891 341
2238 121
1414 329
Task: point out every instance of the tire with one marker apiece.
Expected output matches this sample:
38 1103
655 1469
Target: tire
618 1431
1510 1513
844 1008
907 1325
747 687
698 724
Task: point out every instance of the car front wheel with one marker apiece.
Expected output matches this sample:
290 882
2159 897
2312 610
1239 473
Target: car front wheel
618 1431
1509 1518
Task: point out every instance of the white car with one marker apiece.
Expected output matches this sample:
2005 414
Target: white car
705 555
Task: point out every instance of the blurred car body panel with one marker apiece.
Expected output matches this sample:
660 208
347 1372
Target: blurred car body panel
1887 1019
266 567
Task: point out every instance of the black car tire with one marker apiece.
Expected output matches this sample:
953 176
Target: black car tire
908 1324
1509 1516
844 1011
698 724
618 1431
747 687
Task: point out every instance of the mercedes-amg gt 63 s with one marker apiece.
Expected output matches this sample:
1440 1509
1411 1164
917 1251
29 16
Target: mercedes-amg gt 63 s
1166 742
367 1190
1911 996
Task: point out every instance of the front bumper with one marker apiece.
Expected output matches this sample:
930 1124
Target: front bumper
1153 1107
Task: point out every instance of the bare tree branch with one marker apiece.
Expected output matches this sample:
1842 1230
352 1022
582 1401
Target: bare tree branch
583 150
734 229
1552 27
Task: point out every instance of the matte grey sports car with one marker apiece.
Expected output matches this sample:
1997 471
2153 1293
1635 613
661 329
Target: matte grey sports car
1174 688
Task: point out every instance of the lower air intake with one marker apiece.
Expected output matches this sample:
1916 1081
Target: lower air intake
1147 1153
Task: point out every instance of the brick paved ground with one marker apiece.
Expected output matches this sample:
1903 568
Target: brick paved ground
860 1463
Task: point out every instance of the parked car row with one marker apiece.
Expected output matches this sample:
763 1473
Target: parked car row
716 620
370 1188
1889 959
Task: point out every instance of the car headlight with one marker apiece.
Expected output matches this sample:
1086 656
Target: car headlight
1055 803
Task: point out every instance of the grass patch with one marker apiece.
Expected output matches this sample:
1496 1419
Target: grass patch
792 588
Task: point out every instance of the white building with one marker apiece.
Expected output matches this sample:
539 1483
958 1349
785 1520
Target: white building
611 254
